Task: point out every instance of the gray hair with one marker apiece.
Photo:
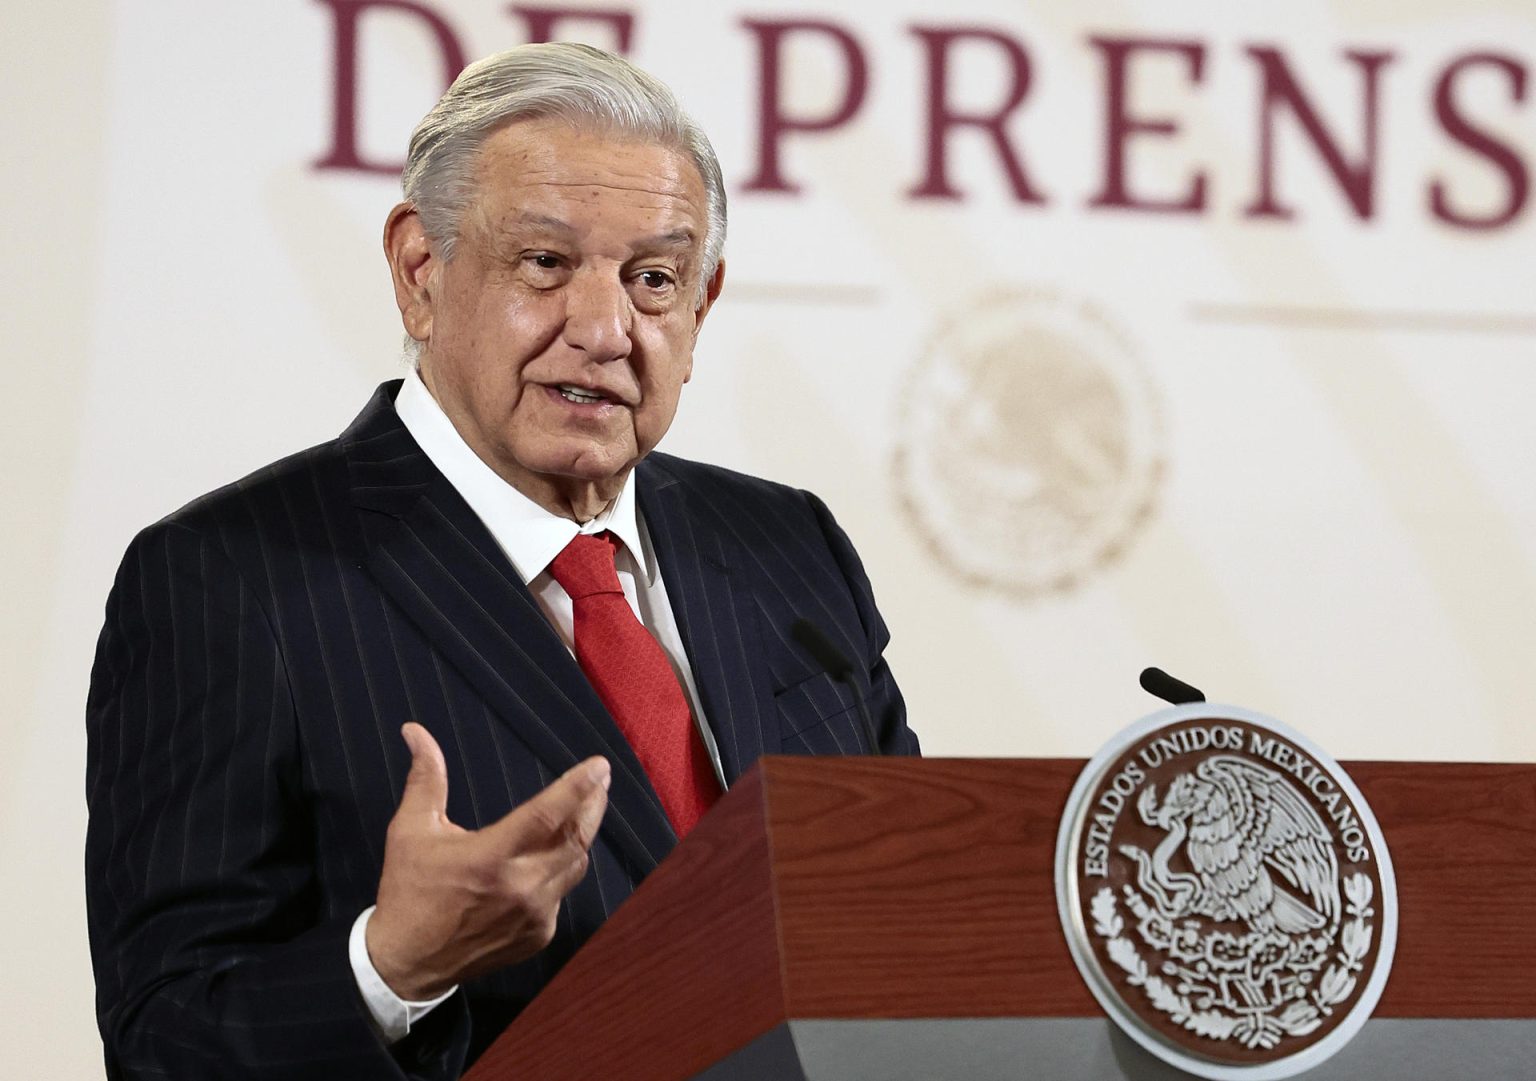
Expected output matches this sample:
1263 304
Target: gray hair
587 87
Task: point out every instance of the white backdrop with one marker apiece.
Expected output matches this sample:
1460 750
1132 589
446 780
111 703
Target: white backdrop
1287 458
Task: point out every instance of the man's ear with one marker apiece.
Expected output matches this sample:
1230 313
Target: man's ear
711 294
413 267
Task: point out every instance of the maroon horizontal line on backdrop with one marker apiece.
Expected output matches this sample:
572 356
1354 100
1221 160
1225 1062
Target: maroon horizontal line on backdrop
1365 319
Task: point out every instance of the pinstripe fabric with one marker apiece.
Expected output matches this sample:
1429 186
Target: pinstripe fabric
261 649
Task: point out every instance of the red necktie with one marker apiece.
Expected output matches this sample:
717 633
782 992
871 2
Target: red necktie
632 676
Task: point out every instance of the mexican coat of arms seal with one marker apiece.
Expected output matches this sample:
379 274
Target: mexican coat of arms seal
1226 893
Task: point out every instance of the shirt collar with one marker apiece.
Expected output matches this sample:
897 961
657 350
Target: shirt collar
530 535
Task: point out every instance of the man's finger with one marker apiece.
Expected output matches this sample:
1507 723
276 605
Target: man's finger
589 816
426 786
573 802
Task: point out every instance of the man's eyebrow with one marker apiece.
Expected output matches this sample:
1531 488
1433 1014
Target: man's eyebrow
682 237
678 238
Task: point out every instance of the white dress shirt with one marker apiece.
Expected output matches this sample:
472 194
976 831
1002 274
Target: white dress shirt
531 537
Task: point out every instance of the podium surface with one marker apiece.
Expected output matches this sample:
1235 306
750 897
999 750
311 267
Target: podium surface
888 918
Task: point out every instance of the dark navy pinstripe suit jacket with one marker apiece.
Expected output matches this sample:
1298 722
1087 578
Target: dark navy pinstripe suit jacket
262 647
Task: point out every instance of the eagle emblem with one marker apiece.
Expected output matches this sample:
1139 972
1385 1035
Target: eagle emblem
1240 826
1221 896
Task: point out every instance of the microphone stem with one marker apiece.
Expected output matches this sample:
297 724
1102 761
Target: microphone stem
869 724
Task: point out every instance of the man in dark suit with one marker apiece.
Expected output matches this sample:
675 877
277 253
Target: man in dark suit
589 641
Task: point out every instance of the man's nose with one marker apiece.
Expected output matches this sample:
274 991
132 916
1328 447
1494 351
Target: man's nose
598 315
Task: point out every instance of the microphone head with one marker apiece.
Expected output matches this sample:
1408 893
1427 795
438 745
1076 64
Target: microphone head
811 639
1173 691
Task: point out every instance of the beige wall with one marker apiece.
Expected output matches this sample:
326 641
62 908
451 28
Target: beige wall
1288 461
54 130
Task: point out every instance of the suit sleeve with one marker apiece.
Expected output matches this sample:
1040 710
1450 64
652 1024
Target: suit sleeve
212 957
886 706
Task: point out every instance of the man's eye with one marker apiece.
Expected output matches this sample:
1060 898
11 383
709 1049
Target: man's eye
655 279
546 261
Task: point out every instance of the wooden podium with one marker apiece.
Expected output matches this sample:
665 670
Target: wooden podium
849 918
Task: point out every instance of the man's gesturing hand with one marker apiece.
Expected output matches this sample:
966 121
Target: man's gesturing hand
456 903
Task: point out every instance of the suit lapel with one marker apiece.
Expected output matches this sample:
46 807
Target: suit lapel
716 615
433 557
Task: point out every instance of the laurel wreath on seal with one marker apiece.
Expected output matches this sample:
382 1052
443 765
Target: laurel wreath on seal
1257 1029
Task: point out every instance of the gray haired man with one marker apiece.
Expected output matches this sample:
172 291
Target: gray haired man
380 734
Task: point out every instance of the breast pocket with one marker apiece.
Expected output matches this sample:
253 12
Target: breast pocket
815 717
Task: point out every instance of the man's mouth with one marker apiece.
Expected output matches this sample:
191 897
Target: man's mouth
580 396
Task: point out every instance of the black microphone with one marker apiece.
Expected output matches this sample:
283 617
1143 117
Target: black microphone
811 639
1173 691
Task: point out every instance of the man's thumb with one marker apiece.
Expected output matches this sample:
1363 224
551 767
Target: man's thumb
426 786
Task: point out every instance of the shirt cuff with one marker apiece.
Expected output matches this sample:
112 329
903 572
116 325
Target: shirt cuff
392 1015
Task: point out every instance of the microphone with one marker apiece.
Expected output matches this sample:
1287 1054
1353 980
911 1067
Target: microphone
1173 691
811 639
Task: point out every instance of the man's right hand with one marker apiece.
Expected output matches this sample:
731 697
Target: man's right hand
455 903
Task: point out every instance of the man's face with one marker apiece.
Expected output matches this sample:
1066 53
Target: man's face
559 336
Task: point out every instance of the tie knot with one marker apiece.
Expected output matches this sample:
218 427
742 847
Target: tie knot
585 566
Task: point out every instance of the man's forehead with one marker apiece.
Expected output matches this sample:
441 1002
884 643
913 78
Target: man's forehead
553 153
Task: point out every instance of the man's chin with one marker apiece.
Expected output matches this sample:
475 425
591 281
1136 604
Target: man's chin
600 466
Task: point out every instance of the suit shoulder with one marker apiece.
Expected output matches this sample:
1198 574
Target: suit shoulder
294 489
762 515
283 487
706 479
260 537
